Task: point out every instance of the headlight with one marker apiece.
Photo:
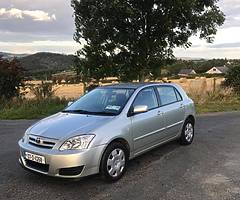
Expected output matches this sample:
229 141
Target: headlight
77 143
25 134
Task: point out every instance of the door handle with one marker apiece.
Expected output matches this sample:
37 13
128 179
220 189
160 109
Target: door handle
160 113
181 105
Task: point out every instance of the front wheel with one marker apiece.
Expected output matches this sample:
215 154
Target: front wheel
114 162
187 134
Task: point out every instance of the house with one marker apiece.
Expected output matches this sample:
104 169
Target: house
218 70
186 72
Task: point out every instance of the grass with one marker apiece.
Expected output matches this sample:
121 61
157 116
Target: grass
218 106
30 109
219 101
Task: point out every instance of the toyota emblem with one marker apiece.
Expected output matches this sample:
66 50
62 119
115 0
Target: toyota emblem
38 140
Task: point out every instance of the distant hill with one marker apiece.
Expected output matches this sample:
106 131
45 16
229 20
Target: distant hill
40 63
6 55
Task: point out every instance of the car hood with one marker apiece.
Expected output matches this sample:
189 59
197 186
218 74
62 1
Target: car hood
63 125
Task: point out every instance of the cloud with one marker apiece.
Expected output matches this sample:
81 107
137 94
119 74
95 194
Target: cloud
231 11
24 29
225 45
36 15
67 47
208 53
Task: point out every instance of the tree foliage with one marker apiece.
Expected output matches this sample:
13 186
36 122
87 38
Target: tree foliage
11 76
134 38
233 79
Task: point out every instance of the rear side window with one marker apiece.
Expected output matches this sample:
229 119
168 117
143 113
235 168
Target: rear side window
168 95
146 97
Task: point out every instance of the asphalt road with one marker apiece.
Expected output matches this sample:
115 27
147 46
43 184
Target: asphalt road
208 169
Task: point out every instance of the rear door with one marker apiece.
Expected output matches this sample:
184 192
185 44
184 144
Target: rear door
172 108
146 127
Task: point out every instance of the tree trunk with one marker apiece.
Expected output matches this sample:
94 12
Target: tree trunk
142 77
84 87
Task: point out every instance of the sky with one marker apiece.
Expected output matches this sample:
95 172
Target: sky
30 26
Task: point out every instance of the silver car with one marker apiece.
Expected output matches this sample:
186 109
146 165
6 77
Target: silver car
104 129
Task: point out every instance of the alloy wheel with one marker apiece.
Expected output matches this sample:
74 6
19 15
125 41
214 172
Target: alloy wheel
189 132
116 162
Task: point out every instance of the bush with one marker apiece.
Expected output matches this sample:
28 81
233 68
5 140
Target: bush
18 108
11 76
43 91
233 79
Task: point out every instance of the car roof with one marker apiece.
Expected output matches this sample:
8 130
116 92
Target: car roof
133 85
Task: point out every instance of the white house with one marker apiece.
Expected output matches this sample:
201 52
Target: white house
218 70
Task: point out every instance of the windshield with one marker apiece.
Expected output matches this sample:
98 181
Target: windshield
101 101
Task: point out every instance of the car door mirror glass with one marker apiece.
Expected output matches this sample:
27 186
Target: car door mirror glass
140 109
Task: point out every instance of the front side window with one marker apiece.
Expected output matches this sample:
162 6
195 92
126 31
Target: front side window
101 101
146 97
167 95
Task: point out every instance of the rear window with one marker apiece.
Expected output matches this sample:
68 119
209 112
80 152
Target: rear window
168 95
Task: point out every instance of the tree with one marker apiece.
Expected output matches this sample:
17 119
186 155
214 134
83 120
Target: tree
11 76
134 38
233 79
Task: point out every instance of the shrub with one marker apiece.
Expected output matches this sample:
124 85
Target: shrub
43 91
11 76
18 108
233 79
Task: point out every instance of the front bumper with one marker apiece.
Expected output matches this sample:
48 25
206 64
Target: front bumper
83 163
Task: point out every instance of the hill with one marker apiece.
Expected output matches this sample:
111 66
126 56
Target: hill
10 56
41 63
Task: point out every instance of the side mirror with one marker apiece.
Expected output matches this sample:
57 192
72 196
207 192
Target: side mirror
69 103
140 109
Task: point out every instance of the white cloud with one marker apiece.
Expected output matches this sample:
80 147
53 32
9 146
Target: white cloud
36 15
69 47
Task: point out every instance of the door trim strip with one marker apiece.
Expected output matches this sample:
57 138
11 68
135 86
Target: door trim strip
159 130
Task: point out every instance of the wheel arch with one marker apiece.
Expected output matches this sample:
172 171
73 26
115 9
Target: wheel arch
115 140
122 141
192 118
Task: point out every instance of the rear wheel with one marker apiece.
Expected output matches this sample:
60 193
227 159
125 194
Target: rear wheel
114 162
187 134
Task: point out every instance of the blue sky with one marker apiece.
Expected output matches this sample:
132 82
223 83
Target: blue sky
28 26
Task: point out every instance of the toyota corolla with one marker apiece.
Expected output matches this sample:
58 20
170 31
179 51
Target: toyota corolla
104 129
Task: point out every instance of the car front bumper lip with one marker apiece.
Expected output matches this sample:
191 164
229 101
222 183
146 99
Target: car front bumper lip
55 160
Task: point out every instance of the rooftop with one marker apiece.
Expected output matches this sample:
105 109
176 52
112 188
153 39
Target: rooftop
129 85
186 71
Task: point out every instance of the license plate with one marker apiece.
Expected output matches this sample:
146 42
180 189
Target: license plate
35 158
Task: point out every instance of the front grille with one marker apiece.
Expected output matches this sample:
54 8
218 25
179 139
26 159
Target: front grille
37 166
41 142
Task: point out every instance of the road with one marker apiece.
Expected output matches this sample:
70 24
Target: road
208 169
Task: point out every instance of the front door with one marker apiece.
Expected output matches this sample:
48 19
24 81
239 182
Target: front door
146 127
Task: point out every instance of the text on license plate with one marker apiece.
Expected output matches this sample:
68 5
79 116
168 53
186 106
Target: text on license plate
35 158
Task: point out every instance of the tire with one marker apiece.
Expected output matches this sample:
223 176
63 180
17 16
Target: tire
114 162
187 134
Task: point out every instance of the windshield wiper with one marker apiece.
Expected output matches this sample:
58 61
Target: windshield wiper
89 112
76 111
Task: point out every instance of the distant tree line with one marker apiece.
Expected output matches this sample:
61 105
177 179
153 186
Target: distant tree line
200 66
